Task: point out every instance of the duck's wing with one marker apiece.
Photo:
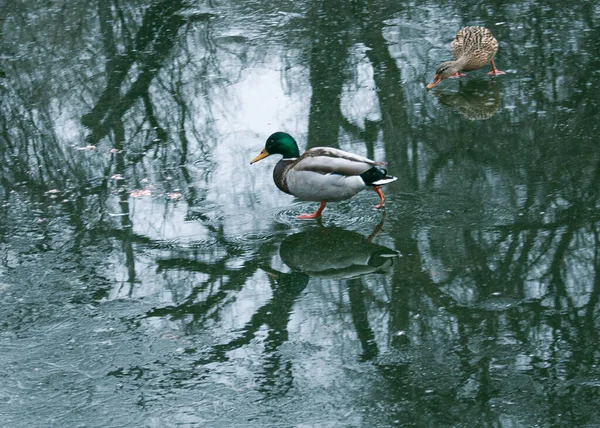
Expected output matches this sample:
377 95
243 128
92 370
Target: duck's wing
327 160
474 40
458 43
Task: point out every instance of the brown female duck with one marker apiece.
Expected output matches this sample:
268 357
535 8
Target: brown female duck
473 47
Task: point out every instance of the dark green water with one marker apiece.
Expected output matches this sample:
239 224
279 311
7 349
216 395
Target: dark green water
150 277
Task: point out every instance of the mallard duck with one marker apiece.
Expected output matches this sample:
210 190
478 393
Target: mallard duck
322 174
473 48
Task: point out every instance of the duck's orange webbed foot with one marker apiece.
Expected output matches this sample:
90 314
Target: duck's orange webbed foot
495 71
316 214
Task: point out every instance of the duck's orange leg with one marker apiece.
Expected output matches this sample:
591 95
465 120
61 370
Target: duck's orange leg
381 197
457 74
314 215
495 71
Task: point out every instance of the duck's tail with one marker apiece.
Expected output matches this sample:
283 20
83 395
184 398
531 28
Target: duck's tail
377 176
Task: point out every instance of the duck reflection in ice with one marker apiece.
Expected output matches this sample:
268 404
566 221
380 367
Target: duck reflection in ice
335 253
325 252
475 100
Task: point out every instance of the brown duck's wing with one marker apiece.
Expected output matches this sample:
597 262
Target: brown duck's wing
457 45
478 44
470 39
327 160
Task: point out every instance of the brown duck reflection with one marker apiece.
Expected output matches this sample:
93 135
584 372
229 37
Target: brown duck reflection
335 253
475 100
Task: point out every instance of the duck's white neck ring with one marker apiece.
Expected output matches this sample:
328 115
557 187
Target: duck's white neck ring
289 159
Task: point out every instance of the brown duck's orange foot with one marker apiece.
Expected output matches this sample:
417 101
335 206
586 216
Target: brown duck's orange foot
381 197
316 214
495 71
457 74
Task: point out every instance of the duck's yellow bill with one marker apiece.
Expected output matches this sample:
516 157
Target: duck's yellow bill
436 80
262 155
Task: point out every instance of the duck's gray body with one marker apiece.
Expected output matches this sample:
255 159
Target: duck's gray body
328 174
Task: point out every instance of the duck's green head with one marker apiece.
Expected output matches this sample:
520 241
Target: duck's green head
279 143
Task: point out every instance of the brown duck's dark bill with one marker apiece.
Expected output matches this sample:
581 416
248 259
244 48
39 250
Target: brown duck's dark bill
436 80
262 155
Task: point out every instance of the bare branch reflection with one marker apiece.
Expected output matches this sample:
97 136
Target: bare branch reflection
126 200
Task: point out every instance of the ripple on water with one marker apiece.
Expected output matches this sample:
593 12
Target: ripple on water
204 244
344 214
286 216
218 214
253 239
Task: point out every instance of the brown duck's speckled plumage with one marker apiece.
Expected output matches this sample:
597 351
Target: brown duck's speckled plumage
476 44
473 48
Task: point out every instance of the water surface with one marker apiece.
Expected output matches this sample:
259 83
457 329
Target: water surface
150 276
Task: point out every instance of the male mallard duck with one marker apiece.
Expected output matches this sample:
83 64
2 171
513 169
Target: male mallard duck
322 174
473 48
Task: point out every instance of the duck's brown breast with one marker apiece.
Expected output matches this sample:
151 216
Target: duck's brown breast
279 176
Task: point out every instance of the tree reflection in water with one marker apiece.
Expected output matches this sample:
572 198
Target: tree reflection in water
124 127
